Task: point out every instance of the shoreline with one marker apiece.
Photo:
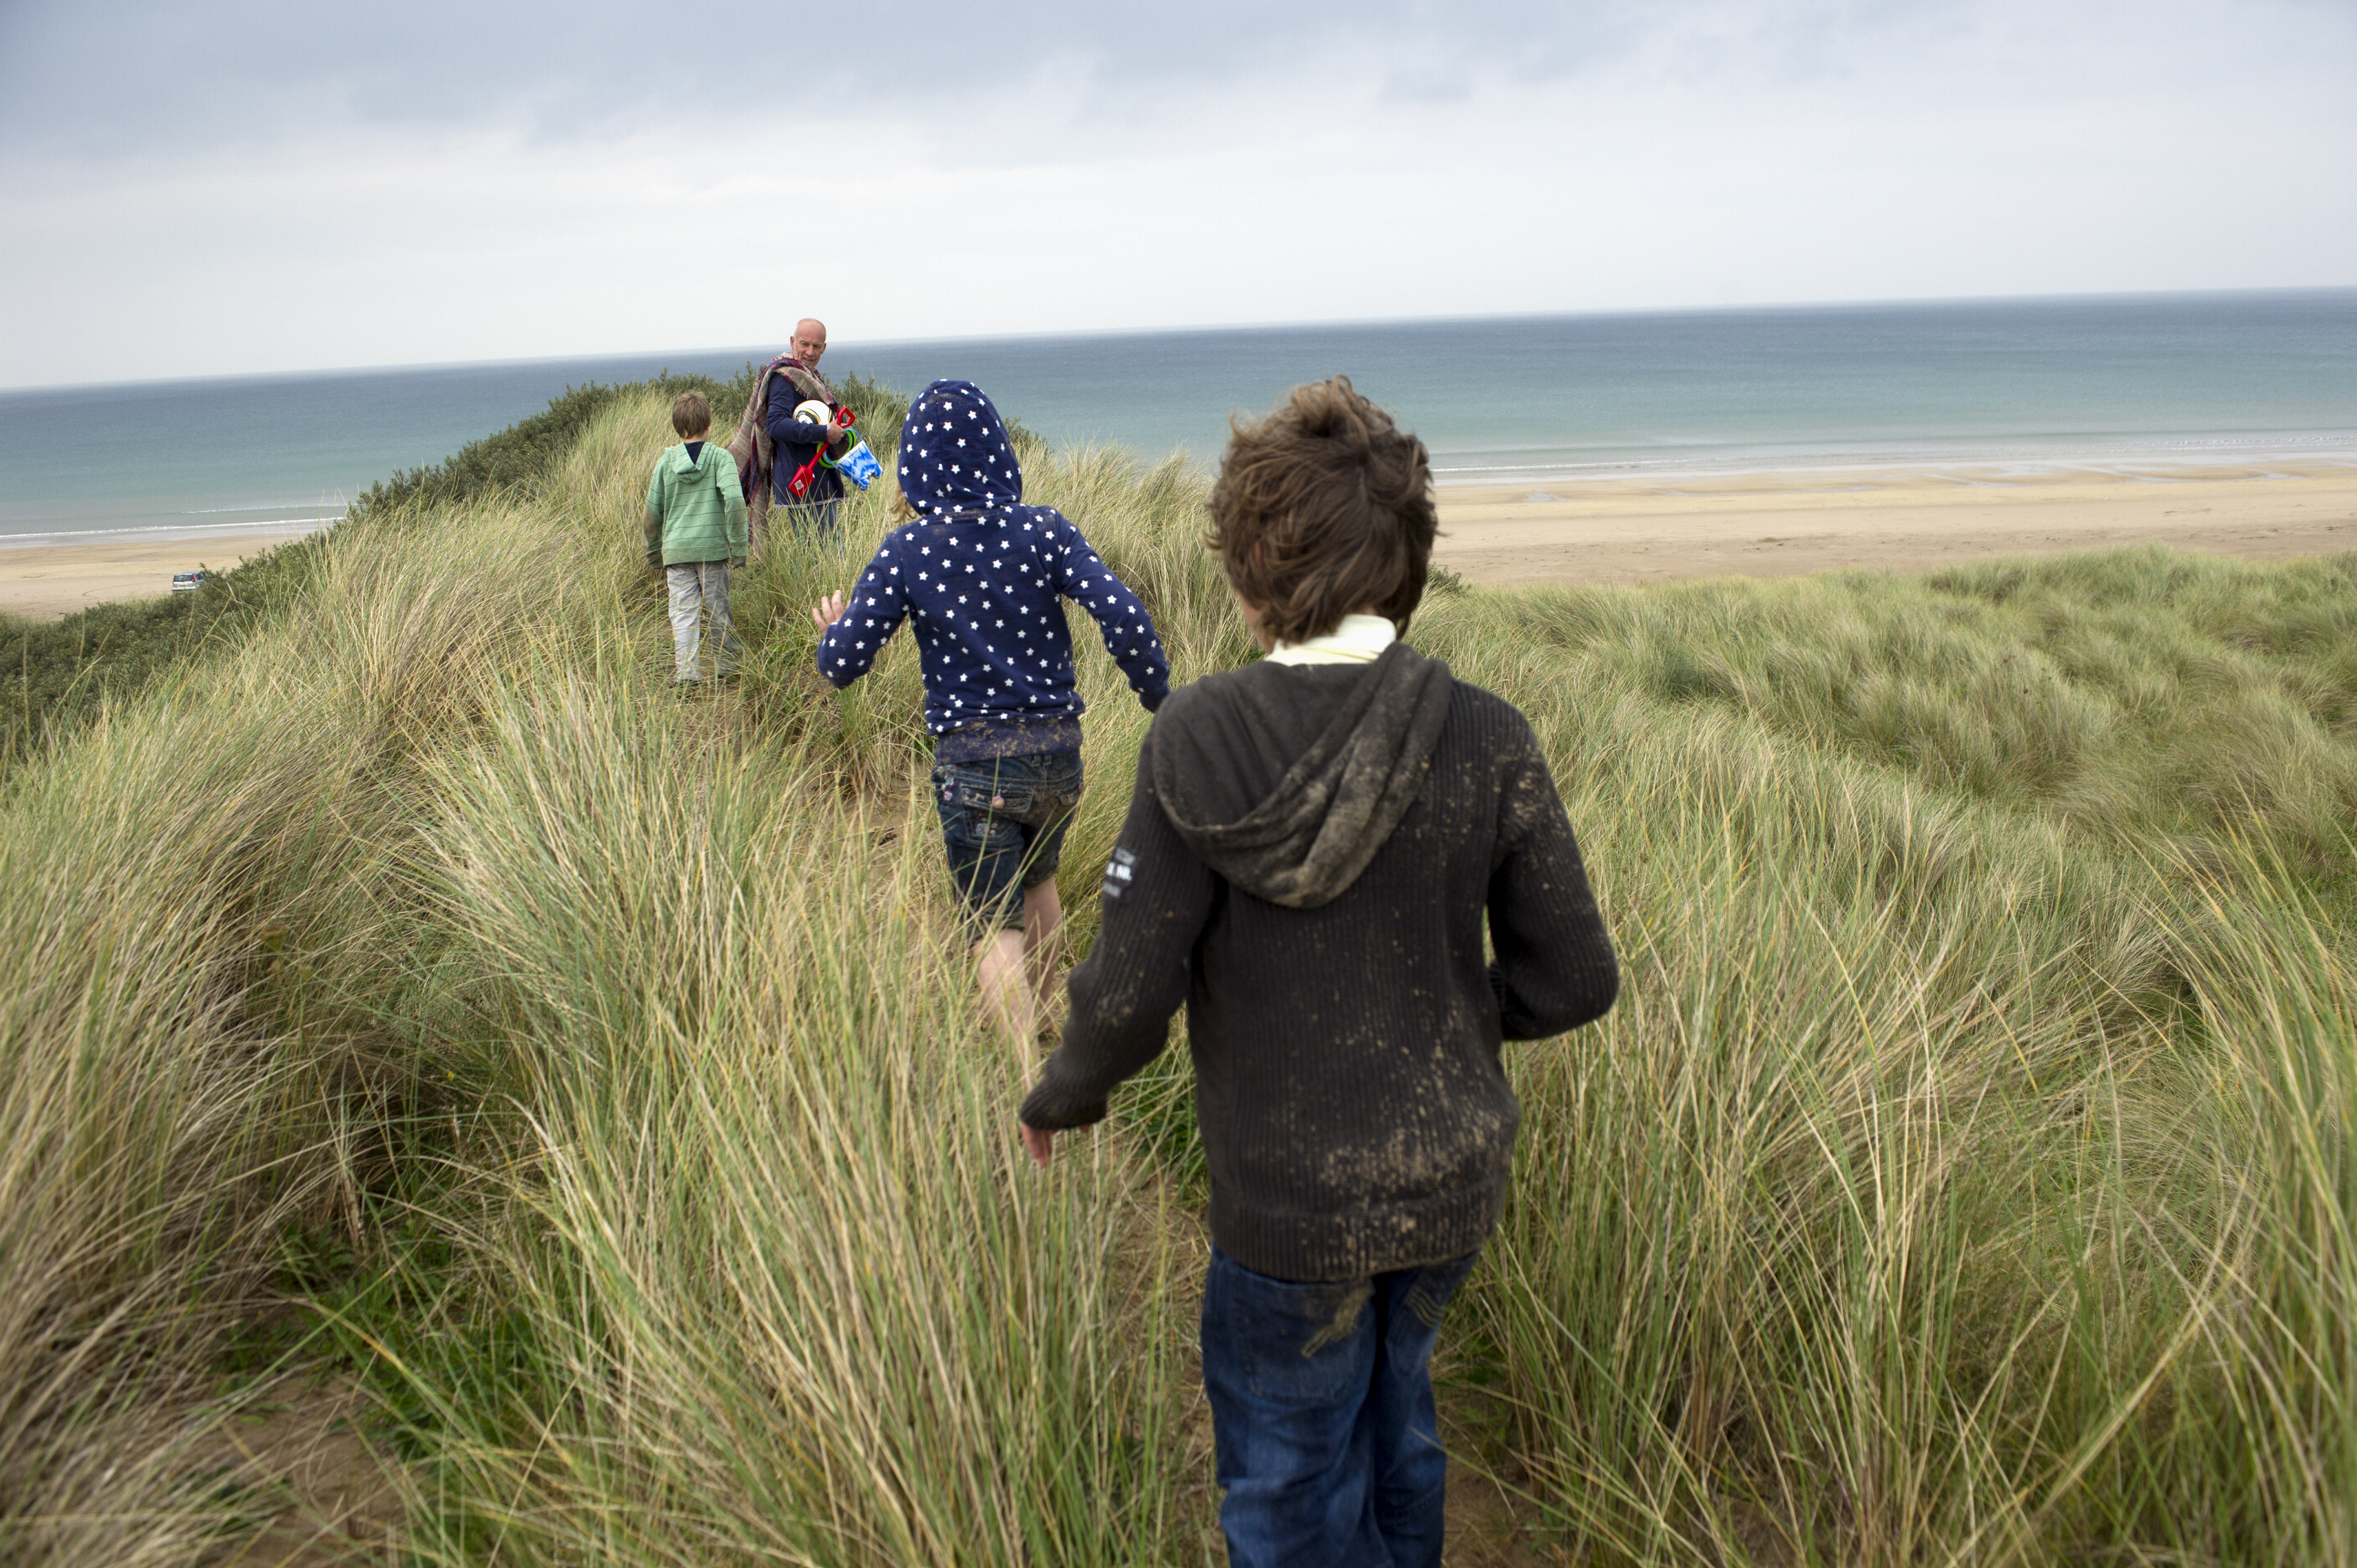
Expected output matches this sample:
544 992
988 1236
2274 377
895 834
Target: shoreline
50 581
164 533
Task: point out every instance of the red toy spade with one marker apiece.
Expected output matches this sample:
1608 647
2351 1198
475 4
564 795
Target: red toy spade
799 486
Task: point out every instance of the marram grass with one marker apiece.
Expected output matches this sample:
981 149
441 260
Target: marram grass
1964 1177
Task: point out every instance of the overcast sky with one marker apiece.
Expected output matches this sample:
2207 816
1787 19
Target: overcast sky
252 185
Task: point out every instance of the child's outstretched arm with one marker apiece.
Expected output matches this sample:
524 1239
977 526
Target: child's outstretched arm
1121 617
856 625
1157 895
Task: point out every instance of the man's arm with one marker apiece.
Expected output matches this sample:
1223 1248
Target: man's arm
1554 968
873 612
785 429
1157 895
1121 617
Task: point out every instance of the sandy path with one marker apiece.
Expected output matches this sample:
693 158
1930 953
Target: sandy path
44 581
1617 531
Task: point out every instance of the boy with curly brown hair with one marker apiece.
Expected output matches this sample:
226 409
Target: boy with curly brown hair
1315 843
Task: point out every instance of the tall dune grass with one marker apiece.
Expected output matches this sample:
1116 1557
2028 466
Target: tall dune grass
1962 1178
202 1032
790 1298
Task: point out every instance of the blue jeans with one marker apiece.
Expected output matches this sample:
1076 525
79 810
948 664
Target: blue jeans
1322 1415
1003 821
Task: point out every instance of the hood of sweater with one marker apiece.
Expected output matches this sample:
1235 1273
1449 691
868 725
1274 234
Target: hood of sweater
954 454
1287 780
707 461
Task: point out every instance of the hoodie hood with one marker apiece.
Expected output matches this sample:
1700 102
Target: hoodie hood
1287 780
954 454
704 462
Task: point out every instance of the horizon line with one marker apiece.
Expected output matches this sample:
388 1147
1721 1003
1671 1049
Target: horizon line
1202 328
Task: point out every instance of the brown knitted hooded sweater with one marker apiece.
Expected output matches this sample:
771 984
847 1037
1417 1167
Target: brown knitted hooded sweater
1309 860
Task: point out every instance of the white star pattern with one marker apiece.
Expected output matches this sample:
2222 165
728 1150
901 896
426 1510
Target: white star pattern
950 494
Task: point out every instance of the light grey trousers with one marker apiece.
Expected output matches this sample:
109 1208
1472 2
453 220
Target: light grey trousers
697 586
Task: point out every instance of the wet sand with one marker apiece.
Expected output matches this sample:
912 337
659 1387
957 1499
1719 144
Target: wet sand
1782 525
43 582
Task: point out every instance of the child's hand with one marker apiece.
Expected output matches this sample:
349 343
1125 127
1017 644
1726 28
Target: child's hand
828 611
1038 1143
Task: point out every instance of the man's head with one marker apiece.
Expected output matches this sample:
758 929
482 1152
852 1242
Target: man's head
810 341
691 414
1322 509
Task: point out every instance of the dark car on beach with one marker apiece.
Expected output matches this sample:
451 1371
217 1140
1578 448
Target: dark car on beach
186 582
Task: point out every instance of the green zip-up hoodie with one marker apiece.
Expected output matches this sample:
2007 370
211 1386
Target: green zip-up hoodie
695 507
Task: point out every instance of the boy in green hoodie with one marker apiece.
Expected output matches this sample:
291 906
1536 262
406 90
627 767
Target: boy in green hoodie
695 532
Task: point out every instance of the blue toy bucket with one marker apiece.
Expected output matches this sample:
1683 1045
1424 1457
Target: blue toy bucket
859 465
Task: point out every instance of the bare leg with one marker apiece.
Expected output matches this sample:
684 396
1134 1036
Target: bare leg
1003 985
1043 918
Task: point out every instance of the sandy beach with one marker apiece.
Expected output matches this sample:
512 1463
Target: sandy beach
43 582
1781 525
1617 531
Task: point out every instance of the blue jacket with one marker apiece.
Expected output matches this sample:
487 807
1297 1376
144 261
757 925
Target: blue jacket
796 440
981 576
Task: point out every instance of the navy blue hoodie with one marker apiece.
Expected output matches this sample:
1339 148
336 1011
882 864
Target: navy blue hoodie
982 576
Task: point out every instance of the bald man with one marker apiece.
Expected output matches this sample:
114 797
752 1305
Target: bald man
793 380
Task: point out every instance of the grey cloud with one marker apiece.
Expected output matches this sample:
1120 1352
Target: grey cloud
1425 86
240 70
162 74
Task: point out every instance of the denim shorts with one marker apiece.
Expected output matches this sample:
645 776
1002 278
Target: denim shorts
1003 821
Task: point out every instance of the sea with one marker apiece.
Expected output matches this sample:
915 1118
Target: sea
2147 386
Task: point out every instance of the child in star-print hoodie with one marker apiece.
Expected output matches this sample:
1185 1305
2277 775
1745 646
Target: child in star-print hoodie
983 578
